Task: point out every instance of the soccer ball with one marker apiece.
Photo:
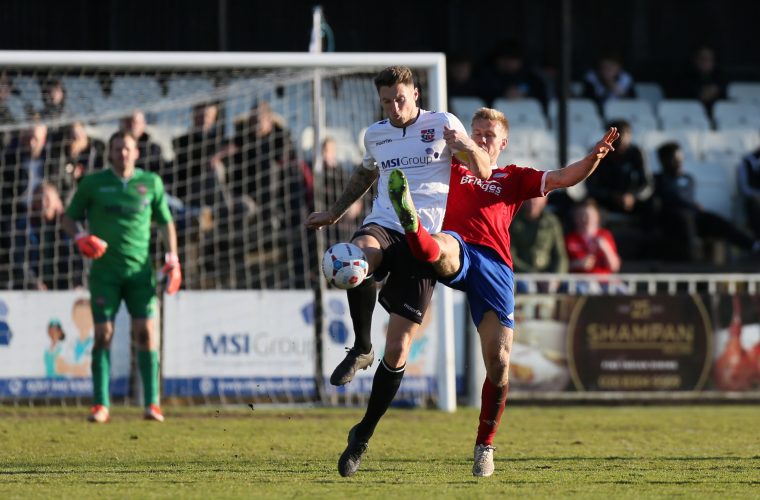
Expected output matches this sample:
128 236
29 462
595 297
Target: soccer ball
344 265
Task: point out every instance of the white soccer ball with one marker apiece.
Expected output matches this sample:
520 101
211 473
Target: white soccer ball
344 265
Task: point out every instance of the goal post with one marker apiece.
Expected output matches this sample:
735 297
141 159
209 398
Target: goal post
230 239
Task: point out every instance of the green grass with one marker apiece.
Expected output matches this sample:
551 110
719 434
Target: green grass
586 452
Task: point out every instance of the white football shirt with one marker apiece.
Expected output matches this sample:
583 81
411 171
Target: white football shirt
421 152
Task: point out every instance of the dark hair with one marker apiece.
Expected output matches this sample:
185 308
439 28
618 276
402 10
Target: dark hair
393 75
666 151
620 124
120 134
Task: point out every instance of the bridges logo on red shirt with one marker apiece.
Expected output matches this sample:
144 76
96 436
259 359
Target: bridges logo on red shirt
427 135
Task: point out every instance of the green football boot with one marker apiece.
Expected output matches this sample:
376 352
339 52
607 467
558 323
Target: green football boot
401 199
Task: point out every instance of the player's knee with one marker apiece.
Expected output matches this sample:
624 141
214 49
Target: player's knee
497 367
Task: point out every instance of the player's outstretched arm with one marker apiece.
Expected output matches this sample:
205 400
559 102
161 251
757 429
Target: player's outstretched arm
359 183
475 157
580 170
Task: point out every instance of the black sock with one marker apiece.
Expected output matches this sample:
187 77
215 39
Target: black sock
361 303
384 387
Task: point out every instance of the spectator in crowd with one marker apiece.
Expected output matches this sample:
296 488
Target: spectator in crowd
537 240
749 186
25 165
684 221
193 180
193 183
591 249
608 80
508 75
700 78
53 99
42 256
624 184
77 154
151 159
265 181
460 82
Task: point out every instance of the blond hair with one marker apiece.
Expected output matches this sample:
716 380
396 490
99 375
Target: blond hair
492 115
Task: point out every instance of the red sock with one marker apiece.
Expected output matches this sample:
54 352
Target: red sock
423 246
492 402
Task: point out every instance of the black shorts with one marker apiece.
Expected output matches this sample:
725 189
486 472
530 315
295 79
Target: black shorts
410 283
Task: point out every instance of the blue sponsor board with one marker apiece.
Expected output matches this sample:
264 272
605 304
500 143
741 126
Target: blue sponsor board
240 386
38 387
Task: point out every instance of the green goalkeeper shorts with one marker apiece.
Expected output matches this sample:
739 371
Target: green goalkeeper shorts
137 289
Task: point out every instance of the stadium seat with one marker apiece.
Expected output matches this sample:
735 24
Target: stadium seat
84 95
184 86
465 107
714 189
650 140
522 113
649 91
725 149
132 92
638 112
744 91
583 120
731 115
545 149
17 107
29 93
682 114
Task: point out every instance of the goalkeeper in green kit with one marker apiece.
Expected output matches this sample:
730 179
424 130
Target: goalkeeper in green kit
119 205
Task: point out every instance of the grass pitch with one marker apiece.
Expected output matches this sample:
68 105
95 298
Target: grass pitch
588 452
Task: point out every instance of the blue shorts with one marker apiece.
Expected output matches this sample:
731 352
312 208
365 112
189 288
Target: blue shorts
486 279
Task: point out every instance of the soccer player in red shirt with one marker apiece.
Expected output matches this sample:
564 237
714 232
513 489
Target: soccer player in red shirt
472 251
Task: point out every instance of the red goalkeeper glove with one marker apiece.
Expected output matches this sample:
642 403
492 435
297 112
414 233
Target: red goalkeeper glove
90 245
172 273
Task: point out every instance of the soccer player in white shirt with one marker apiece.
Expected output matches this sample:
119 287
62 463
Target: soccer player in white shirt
413 140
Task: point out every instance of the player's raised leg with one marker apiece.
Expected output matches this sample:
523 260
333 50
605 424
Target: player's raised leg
496 344
423 246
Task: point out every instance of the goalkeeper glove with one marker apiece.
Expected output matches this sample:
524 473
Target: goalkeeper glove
172 273
90 245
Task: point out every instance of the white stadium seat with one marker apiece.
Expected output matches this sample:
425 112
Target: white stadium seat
650 140
682 114
736 115
522 113
649 91
744 91
637 112
464 107
714 188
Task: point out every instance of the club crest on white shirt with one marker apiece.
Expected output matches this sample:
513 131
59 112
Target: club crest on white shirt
427 135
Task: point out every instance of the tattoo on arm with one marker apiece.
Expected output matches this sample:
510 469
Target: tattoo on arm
360 182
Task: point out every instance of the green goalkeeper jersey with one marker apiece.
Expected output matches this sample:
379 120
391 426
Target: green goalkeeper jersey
120 211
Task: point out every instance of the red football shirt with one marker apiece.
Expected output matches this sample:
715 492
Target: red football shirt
482 210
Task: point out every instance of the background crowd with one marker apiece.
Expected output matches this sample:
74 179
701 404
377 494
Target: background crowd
239 196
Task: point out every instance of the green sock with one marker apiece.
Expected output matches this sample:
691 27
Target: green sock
147 361
101 371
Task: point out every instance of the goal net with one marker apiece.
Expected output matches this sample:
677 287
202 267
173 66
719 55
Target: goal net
247 146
